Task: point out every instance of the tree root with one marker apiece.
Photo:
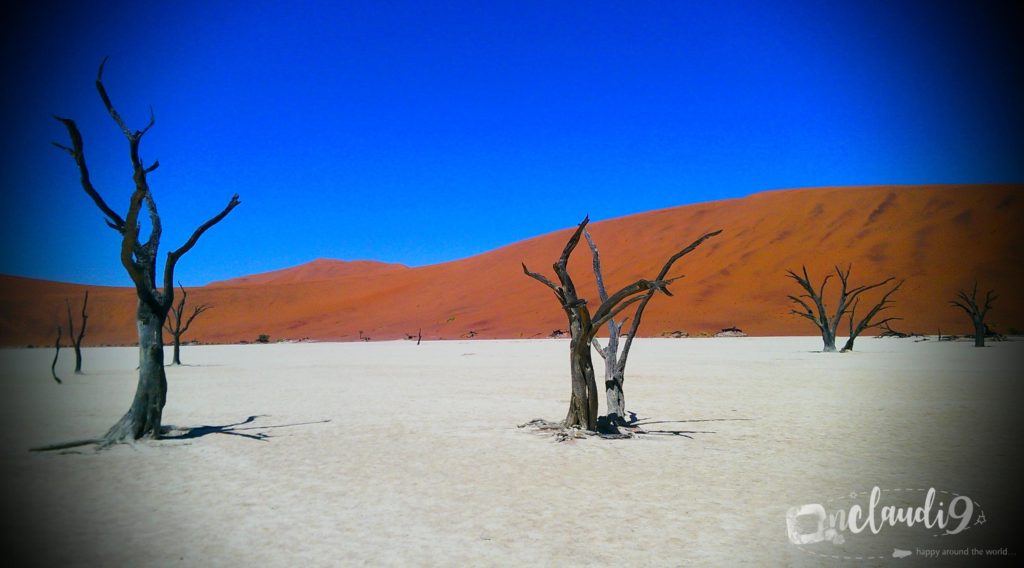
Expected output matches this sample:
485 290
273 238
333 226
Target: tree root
562 433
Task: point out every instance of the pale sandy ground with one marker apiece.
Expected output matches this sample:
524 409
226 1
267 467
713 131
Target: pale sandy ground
404 455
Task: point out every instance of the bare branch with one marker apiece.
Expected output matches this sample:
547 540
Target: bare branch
173 256
625 292
598 276
809 316
685 251
195 312
570 245
990 297
599 321
152 121
539 278
962 307
639 313
106 100
77 151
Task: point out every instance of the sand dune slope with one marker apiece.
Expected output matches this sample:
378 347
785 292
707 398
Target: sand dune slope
939 238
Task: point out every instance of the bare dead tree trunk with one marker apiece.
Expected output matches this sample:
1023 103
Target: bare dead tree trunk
827 324
177 324
143 418
614 362
139 260
583 402
976 312
866 322
614 375
76 340
56 354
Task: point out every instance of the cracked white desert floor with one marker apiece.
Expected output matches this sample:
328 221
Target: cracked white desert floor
403 455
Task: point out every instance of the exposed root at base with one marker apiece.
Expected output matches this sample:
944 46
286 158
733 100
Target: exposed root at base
568 434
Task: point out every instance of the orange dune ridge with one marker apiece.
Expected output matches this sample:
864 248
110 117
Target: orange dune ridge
939 238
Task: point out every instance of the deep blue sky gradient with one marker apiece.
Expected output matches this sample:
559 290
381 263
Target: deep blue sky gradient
423 132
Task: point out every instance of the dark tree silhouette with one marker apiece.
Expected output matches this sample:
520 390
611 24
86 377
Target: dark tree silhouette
976 312
56 354
614 360
177 324
828 324
583 326
867 321
76 340
139 259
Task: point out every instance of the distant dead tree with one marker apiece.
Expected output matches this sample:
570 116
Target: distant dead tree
584 325
614 360
976 312
827 323
76 340
139 259
890 332
56 354
177 324
867 321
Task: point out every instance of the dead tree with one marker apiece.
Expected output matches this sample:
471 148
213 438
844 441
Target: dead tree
890 332
139 259
866 322
583 326
177 324
827 323
615 361
976 312
56 354
76 340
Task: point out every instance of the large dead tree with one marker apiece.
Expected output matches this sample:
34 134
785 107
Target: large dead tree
584 325
76 340
828 323
139 259
975 311
614 360
177 324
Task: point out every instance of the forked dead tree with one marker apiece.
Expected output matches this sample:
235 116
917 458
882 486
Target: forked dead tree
867 322
583 326
828 323
614 360
976 312
177 324
139 259
76 340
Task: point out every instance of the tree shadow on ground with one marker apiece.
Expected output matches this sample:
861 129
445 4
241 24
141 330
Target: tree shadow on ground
639 425
186 433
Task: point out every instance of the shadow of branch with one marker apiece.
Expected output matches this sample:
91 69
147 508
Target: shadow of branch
181 433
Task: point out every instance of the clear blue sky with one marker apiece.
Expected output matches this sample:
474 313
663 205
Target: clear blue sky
422 132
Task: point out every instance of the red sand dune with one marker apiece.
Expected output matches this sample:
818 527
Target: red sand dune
939 238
